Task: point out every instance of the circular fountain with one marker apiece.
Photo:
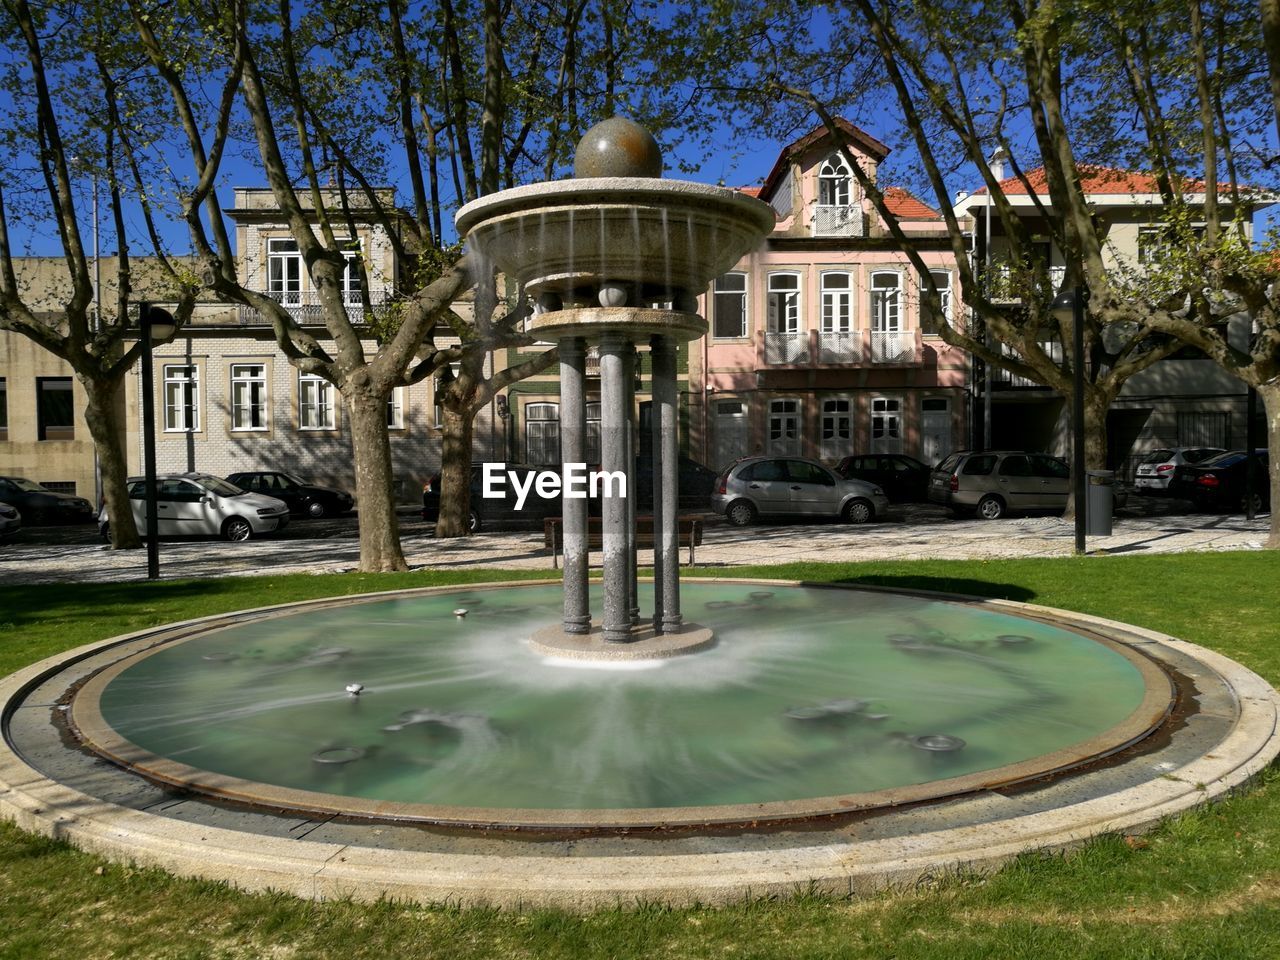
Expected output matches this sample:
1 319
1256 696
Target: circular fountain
497 744
615 257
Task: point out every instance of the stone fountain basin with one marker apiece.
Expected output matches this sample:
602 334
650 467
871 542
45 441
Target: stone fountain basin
669 236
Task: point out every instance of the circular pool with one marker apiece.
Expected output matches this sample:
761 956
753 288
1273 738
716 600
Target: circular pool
814 701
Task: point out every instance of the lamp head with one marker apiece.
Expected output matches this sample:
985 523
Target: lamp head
157 323
1064 306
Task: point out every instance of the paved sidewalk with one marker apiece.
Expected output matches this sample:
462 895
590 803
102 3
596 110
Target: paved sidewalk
75 556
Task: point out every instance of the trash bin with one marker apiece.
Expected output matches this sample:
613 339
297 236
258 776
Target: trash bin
1100 502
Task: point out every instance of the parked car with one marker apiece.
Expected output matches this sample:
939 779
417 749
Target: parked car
304 499
790 486
1218 483
494 511
196 504
903 479
991 483
10 521
41 505
1156 469
697 484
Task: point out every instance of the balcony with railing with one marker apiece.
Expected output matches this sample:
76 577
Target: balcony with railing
1004 378
780 348
842 348
306 309
837 221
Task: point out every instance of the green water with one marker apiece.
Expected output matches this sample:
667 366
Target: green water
499 726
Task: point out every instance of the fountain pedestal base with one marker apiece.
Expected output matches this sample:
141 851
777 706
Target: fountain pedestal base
552 641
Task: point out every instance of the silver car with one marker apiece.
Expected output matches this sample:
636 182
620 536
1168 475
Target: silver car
1156 469
990 483
791 486
196 504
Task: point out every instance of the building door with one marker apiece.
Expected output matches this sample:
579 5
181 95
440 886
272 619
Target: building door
837 429
784 427
886 425
728 433
935 429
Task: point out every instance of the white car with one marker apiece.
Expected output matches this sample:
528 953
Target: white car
10 521
1156 469
196 504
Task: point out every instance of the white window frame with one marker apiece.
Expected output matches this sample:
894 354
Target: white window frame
836 179
784 311
541 413
781 441
257 405
837 302
836 428
717 294
592 449
883 307
181 416
316 412
395 408
887 442
286 288
944 294
351 250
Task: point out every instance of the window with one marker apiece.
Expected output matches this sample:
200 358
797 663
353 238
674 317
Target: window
980 465
886 425
542 433
248 396
729 432
837 428
931 322
837 306
833 182
395 409
315 403
784 427
284 271
55 409
784 302
1204 429
885 306
1052 467
764 471
4 409
592 452
181 398
352 280
800 471
1015 466
730 306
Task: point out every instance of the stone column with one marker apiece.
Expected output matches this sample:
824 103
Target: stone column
666 492
615 425
629 367
573 445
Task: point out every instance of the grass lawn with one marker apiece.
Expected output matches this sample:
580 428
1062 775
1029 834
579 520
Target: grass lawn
1204 885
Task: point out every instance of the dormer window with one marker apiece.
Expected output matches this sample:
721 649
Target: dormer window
833 182
836 215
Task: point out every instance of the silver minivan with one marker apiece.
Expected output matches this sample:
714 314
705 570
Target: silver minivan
990 483
792 486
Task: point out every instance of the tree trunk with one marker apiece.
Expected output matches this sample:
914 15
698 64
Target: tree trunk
1095 442
375 499
455 474
104 417
1269 394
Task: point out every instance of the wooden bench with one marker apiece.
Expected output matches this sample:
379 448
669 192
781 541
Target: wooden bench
689 535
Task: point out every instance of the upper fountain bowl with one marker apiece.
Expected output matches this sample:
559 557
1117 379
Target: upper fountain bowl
657 241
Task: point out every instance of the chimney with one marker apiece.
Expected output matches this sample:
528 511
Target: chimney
996 163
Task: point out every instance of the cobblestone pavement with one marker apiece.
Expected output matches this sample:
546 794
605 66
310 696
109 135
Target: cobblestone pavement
75 555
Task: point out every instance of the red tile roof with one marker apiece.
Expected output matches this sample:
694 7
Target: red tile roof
905 206
1098 180
749 191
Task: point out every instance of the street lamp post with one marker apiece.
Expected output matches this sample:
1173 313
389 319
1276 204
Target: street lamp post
1070 305
154 324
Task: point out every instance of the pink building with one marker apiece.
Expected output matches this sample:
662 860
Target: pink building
818 346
